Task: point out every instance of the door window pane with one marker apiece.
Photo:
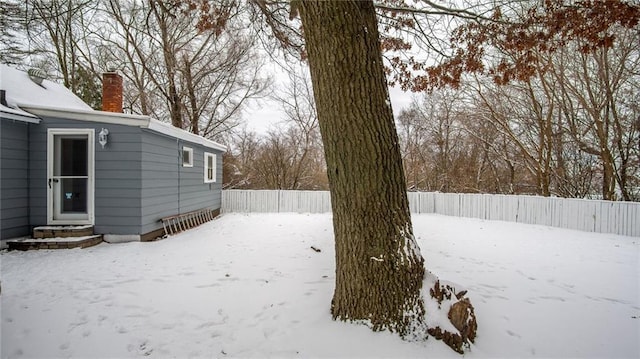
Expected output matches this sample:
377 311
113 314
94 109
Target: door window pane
72 157
73 195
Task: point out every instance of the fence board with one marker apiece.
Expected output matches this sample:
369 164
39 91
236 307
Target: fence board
585 215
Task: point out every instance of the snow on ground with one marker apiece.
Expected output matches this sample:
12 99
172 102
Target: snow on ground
251 286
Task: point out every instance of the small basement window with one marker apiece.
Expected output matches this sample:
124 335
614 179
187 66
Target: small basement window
187 156
209 167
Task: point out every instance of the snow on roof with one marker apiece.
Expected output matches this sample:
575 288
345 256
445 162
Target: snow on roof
17 114
27 100
21 91
173 131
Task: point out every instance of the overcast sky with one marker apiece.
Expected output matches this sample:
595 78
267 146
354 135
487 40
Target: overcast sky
268 113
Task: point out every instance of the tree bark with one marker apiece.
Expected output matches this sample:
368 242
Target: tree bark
379 268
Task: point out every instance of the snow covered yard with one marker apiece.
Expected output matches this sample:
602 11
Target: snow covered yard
251 286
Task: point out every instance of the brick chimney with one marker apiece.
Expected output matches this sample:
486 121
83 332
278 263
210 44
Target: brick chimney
111 92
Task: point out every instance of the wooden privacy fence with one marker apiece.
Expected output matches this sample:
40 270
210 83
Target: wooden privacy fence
585 215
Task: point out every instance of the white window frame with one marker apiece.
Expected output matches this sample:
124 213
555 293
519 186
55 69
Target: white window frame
188 150
206 167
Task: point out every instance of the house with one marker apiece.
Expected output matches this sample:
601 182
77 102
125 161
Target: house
64 164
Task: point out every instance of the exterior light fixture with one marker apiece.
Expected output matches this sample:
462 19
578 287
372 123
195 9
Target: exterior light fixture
102 137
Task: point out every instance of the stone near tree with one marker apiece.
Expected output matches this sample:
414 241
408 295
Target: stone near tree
460 313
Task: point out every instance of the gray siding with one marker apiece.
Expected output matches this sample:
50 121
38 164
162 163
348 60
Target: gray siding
159 179
168 188
117 176
139 178
14 170
194 193
118 181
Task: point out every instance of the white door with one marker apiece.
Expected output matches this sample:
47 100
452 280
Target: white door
70 183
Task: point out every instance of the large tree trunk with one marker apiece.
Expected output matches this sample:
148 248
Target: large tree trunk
379 269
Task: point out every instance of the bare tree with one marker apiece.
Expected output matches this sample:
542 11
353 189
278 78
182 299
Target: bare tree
299 107
290 155
197 72
12 26
449 146
415 155
498 165
524 113
593 90
60 34
242 151
525 44
436 143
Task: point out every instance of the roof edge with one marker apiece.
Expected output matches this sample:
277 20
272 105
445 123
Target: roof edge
89 115
17 116
173 131
117 118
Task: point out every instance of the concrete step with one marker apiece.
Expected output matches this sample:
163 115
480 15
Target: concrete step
24 244
62 231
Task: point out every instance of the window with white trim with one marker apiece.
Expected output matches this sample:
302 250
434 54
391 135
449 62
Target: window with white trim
209 167
187 156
